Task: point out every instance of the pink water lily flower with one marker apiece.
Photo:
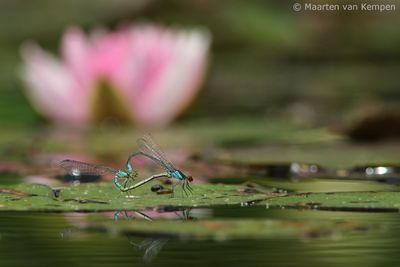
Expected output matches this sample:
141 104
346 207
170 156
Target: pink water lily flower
146 74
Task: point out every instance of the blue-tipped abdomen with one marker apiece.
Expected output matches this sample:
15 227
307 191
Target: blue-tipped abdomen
118 175
121 173
116 182
129 167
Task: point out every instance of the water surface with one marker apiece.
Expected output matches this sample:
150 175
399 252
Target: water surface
50 239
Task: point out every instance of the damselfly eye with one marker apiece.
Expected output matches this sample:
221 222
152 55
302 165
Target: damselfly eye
190 178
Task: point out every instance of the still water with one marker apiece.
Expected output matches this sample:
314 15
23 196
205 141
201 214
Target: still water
48 239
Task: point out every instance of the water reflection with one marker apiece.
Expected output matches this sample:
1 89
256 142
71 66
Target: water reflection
33 239
150 247
383 173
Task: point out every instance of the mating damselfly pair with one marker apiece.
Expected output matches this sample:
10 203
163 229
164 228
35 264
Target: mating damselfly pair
123 178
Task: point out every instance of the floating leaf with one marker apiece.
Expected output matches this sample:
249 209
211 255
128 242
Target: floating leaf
104 196
363 201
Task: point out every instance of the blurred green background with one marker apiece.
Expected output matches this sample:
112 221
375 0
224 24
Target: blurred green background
267 61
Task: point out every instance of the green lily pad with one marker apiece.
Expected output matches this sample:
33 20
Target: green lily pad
363 201
104 196
305 185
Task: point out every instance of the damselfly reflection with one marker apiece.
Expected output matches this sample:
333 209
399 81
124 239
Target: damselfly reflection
150 247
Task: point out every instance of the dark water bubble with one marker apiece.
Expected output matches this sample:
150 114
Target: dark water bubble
251 190
79 178
278 190
376 170
381 173
156 188
159 189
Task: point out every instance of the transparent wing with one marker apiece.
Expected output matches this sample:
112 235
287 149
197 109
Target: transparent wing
153 248
150 246
147 145
76 168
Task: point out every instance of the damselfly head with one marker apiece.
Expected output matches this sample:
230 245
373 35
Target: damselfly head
184 176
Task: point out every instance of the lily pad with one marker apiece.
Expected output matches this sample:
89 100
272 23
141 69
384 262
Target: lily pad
352 201
104 196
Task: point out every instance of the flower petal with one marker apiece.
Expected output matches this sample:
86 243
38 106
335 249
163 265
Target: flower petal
156 70
51 87
76 53
173 72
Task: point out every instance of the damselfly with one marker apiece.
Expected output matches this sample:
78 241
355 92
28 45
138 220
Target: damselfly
122 178
149 149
